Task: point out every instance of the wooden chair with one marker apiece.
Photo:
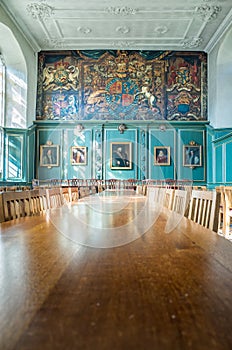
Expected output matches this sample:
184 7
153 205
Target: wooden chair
2 218
169 197
222 210
153 194
180 202
93 189
44 205
199 188
161 196
35 201
67 195
227 212
16 204
74 193
82 192
87 190
204 208
144 190
54 197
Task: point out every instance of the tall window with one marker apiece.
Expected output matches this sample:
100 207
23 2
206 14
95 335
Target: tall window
2 99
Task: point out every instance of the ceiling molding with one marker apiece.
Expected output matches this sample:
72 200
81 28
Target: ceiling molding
26 35
71 24
222 29
121 11
208 13
191 43
40 10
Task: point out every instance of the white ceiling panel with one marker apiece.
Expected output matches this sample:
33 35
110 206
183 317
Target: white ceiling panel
150 25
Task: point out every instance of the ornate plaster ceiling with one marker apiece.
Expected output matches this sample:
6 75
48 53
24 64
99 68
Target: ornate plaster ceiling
119 24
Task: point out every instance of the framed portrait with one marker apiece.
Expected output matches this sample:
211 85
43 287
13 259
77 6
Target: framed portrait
78 155
121 155
161 155
192 155
49 155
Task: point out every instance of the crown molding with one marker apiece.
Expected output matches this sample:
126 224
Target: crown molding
219 32
28 37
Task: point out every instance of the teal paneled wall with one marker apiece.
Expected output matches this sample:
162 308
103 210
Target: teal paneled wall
219 154
15 162
210 159
84 139
228 161
184 137
159 138
31 152
53 135
218 171
97 138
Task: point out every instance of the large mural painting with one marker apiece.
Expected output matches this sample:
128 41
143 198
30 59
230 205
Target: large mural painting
122 85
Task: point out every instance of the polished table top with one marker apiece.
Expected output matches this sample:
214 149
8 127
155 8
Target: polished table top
113 272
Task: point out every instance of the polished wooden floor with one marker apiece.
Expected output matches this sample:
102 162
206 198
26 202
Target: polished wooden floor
152 290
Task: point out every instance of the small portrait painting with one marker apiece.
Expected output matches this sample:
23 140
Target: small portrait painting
49 155
120 155
192 156
162 155
78 155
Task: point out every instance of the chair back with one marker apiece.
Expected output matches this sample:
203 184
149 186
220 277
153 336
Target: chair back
204 208
54 197
35 201
168 199
180 201
67 195
153 194
16 204
227 215
74 193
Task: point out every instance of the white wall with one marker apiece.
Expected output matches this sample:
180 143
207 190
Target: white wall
220 83
21 61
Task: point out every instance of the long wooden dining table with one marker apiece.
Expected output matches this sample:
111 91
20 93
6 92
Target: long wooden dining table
104 273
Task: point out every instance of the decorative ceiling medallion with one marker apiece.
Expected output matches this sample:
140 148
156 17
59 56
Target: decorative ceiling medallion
122 11
161 29
40 10
208 13
191 43
123 44
84 30
122 29
54 42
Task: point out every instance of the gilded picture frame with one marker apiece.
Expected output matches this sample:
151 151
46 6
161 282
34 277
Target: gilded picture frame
78 155
49 155
121 155
192 155
162 155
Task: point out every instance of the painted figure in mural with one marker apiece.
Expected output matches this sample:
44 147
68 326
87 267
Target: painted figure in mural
71 108
60 76
147 97
120 158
